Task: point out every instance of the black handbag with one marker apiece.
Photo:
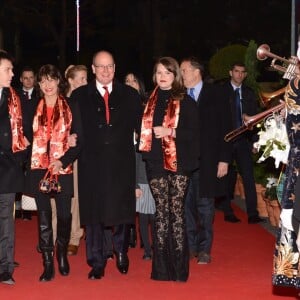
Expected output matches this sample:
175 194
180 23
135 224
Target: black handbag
50 183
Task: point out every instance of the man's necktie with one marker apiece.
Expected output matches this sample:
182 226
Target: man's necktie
238 111
26 95
191 93
105 97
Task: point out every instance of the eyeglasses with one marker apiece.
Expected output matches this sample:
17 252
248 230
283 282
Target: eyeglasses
107 67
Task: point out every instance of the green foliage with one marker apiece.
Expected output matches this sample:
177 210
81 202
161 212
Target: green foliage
251 66
271 193
264 170
259 170
220 63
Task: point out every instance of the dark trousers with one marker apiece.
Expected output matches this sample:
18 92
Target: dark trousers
95 236
224 203
7 232
62 204
108 241
199 215
242 155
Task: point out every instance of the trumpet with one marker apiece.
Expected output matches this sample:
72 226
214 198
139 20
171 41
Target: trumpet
248 125
290 70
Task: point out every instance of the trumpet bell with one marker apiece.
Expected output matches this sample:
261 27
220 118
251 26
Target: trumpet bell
266 97
289 65
262 51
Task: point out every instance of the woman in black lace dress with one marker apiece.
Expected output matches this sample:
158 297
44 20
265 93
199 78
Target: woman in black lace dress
168 141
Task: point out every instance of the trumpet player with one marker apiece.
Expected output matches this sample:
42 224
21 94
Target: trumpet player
286 270
243 105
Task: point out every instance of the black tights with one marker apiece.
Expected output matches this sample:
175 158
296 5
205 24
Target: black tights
145 219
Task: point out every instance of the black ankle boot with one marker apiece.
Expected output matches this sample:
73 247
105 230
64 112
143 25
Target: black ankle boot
62 259
48 264
63 237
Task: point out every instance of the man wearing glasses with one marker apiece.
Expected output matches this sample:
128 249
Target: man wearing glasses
110 114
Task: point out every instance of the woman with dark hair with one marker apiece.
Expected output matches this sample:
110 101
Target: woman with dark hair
168 141
145 206
53 123
135 81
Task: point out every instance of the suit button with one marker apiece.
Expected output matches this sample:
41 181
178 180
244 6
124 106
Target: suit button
5 134
100 126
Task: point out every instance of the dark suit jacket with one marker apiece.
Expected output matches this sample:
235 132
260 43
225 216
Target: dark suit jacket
214 123
106 166
11 164
249 105
28 105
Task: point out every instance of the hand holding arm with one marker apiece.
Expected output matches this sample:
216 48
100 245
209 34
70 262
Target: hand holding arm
160 132
138 193
72 140
55 166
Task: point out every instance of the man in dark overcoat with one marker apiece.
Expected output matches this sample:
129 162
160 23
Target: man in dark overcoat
209 180
110 113
13 149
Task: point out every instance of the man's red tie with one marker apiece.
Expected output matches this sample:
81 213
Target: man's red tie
105 97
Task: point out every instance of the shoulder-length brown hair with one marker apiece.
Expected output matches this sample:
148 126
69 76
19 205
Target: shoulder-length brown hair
171 64
50 71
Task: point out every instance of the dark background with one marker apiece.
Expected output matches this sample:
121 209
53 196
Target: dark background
37 32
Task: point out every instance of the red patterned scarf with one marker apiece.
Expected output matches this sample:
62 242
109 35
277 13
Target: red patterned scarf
170 120
16 124
60 127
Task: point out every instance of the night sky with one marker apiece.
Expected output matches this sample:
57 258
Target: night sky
137 32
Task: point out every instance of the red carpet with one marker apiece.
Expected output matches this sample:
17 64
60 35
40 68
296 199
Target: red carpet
240 269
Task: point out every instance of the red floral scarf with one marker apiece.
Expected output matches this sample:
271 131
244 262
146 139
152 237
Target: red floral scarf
15 116
170 120
60 127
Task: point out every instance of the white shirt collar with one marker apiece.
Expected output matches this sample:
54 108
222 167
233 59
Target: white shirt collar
100 88
197 89
29 92
235 87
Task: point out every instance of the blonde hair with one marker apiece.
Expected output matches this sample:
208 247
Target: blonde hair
72 69
70 72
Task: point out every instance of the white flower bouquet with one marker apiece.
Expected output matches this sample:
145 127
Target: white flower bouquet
273 140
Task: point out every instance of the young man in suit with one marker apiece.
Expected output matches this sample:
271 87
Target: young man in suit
243 104
29 99
13 144
209 180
